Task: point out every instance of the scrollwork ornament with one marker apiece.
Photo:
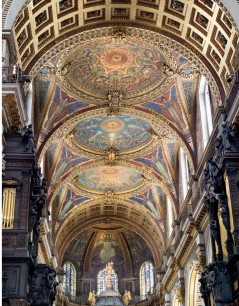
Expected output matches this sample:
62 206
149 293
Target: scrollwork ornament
216 279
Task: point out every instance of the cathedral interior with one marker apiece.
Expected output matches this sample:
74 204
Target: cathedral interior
120 149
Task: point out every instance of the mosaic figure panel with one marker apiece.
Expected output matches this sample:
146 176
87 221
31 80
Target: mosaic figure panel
158 162
70 201
77 248
189 94
42 87
67 161
107 248
123 132
109 64
151 200
140 252
61 106
172 149
168 106
106 177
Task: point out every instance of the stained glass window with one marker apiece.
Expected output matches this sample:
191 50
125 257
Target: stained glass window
146 279
101 280
69 279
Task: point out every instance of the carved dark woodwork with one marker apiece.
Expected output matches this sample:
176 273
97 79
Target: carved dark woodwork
28 139
231 165
233 93
216 279
211 201
233 269
220 277
212 207
19 244
3 167
37 205
43 286
224 212
226 143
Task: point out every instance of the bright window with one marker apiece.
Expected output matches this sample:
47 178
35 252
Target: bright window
101 280
69 279
169 217
205 110
146 279
184 172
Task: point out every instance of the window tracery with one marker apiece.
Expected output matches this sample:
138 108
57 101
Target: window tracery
101 280
146 279
69 279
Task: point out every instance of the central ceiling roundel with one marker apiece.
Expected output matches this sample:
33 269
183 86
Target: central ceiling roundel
123 132
105 65
103 178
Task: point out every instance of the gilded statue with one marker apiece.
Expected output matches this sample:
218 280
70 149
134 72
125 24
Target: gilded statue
92 298
109 270
126 297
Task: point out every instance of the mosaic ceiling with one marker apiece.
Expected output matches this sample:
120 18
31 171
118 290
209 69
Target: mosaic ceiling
116 97
122 132
105 65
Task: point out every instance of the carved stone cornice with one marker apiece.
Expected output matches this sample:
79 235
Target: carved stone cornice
197 264
178 293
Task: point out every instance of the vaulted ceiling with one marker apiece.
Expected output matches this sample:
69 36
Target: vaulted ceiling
115 97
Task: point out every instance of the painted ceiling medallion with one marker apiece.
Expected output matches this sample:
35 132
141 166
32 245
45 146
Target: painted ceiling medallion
122 132
103 178
133 67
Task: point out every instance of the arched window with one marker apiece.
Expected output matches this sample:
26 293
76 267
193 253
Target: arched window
69 279
205 110
101 280
146 279
169 216
184 172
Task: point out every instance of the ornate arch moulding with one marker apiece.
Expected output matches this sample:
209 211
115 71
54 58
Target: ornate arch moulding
160 131
63 239
166 41
159 124
129 204
100 201
153 177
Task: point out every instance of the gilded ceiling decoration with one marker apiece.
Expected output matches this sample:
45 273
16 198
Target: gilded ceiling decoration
115 178
121 132
70 201
142 225
116 96
106 65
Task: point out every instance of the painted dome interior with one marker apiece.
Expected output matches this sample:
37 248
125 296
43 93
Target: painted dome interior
116 100
105 65
122 132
